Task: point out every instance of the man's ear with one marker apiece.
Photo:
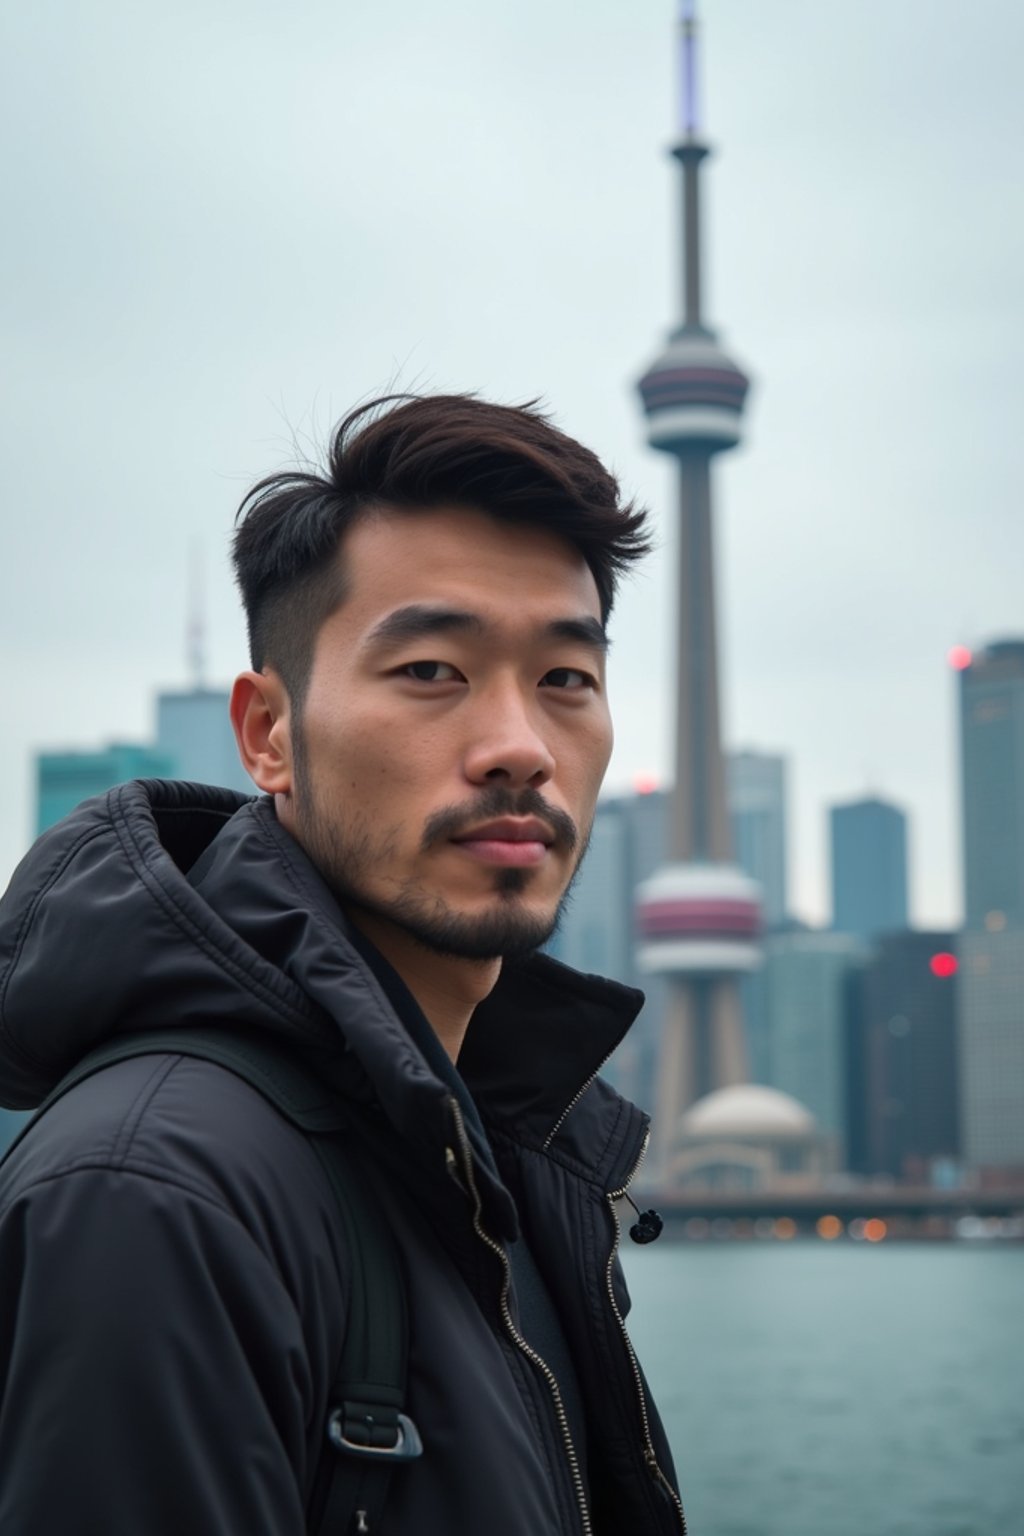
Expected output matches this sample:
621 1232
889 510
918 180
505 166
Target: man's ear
261 716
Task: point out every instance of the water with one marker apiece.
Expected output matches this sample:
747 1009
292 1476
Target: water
838 1390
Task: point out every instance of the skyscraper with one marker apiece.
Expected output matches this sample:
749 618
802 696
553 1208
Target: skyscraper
992 783
801 987
990 1040
901 1089
757 813
697 915
193 725
869 868
194 741
991 949
193 729
65 779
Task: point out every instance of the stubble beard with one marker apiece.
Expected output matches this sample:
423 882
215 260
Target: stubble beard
346 855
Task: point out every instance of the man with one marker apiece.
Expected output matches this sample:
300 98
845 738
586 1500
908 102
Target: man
426 716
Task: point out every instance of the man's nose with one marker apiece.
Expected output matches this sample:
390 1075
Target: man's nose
507 744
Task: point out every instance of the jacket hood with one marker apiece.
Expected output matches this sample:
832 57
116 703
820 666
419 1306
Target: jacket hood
165 903
102 934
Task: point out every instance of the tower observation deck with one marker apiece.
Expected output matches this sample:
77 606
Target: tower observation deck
698 916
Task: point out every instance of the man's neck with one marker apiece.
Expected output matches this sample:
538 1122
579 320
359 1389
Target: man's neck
445 987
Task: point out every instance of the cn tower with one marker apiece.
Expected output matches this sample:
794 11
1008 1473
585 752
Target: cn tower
698 915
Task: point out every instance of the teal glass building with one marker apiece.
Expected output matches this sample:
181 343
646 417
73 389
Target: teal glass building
869 868
65 779
194 741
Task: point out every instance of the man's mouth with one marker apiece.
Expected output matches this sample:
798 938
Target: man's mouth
510 841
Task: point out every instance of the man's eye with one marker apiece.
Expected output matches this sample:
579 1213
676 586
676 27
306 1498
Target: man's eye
565 677
431 671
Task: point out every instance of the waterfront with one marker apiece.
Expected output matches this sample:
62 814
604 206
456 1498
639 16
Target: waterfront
814 1389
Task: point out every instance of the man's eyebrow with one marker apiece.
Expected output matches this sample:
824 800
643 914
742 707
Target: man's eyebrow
418 620
584 631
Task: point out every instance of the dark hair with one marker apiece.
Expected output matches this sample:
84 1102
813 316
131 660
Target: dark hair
410 451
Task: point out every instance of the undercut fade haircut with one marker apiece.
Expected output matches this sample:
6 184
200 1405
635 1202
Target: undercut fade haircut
410 452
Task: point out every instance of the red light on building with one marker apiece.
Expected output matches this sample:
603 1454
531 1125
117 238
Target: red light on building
959 658
944 964
645 783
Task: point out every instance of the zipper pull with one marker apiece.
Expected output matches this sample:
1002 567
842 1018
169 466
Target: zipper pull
648 1226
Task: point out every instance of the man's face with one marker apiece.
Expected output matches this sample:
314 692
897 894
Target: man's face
455 730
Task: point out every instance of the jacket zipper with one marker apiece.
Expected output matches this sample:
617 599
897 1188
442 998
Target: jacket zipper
649 1454
521 1344
567 1111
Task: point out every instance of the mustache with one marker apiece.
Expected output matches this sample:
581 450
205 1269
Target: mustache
498 800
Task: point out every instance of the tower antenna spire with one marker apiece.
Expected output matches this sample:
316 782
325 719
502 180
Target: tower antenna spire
688 67
195 631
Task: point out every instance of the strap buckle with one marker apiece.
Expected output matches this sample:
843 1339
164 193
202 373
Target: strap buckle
347 1427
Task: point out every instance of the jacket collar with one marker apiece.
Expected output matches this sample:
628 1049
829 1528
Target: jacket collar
532 1048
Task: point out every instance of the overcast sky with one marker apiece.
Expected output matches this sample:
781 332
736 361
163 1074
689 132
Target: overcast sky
228 220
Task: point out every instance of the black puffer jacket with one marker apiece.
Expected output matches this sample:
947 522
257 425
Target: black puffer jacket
172 1281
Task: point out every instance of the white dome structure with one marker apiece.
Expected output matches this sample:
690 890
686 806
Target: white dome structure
748 1111
744 1138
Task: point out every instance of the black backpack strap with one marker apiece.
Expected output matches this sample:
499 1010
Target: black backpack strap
367 1433
290 1085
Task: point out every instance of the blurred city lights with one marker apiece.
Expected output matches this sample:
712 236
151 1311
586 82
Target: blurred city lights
959 658
943 964
785 1228
645 783
829 1227
875 1229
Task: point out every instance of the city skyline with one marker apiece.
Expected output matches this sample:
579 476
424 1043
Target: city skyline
865 232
